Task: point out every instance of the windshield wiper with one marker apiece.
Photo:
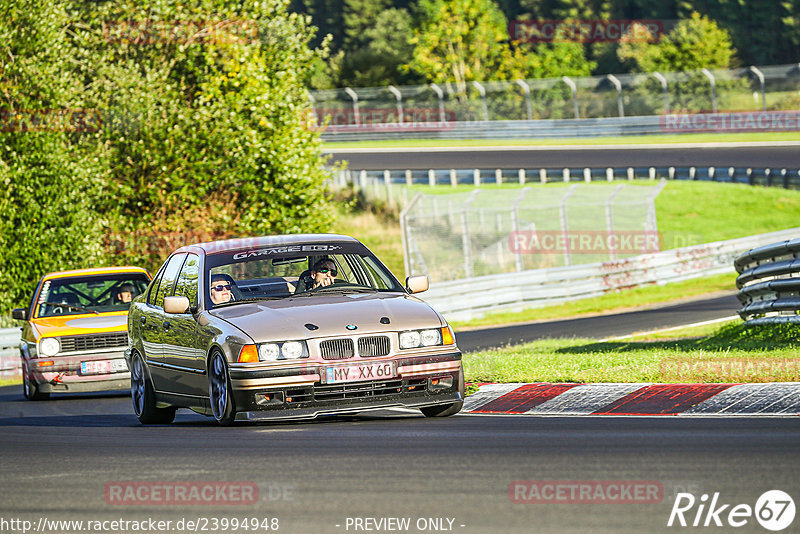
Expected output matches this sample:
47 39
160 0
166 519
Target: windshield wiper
70 306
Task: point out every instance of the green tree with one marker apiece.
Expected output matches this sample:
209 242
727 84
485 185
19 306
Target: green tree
50 183
461 40
209 131
695 43
380 60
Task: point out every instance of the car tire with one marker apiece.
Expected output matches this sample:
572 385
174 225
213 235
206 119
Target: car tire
220 392
30 389
446 410
144 398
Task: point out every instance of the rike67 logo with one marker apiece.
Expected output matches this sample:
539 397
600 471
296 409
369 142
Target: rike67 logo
774 510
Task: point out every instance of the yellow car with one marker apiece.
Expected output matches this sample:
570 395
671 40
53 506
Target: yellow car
76 331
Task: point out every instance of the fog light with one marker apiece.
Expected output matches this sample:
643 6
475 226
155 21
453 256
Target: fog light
440 382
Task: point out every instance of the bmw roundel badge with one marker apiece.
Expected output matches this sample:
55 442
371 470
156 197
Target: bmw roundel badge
351 327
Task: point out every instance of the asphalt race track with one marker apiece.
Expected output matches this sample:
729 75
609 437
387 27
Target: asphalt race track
63 459
776 157
60 456
612 325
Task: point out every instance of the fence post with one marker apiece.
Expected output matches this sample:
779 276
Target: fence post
711 174
352 94
609 174
574 90
515 225
713 83
587 175
466 243
610 221
482 92
498 176
362 180
453 178
631 174
652 172
408 177
476 177
440 94
692 173
660 78
522 177
565 175
760 77
527 90
399 98
543 176
431 177
618 86
565 224
671 173
387 180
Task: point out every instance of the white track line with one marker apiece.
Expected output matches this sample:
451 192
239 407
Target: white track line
702 323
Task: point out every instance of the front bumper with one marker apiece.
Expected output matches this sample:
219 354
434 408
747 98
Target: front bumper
65 374
299 392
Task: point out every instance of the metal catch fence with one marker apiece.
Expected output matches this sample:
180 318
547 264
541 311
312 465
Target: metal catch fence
483 232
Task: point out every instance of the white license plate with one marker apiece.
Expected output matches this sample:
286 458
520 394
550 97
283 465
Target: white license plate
103 367
360 372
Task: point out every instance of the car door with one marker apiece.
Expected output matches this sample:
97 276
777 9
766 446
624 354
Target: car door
153 326
184 356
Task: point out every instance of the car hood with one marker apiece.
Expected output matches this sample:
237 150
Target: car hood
286 319
75 325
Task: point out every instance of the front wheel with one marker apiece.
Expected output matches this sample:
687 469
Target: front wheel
144 398
30 389
219 391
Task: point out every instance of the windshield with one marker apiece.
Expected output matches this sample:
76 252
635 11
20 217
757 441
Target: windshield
89 294
288 272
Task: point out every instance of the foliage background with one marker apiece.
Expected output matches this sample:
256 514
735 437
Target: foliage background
206 131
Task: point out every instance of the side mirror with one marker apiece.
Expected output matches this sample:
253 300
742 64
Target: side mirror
20 314
417 284
176 304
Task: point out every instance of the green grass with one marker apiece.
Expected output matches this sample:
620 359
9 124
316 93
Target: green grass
694 212
731 353
616 301
688 213
10 381
621 140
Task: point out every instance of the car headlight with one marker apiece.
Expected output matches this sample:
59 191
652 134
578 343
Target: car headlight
426 338
49 346
431 337
287 350
268 351
409 340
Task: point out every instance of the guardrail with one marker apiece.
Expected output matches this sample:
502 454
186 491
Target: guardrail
769 283
463 300
9 352
560 128
363 178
